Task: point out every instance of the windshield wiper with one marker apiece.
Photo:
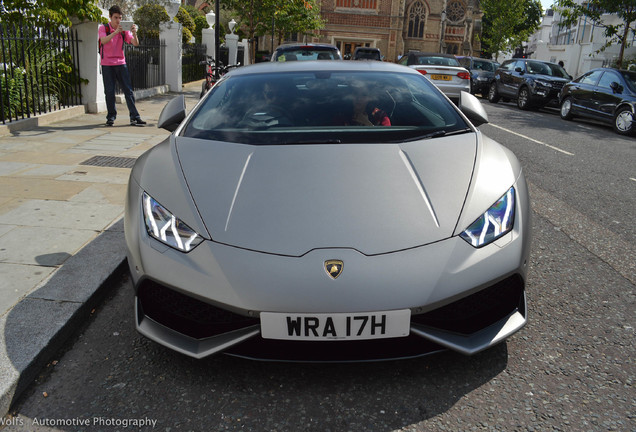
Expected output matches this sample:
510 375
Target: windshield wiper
314 141
437 134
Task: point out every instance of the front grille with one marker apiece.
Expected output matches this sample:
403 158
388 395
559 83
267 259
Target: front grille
477 311
187 315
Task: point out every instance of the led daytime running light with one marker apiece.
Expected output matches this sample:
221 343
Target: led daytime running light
494 223
165 227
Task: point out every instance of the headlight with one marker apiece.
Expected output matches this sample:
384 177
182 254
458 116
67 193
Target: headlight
165 227
493 224
543 83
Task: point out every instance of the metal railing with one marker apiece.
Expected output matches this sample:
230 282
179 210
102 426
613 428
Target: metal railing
39 71
191 67
145 63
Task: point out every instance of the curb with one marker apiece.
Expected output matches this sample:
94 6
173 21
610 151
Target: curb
41 120
32 332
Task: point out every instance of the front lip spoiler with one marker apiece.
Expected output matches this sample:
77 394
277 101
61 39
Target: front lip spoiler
479 341
197 348
200 348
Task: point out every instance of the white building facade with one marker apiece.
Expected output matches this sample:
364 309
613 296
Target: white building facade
577 45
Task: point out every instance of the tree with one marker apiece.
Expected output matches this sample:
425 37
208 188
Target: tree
255 16
507 24
148 18
50 13
594 10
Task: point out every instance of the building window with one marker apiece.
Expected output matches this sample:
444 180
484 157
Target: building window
357 4
455 11
417 20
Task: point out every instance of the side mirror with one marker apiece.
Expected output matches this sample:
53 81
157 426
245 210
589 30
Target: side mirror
172 114
472 108
518 69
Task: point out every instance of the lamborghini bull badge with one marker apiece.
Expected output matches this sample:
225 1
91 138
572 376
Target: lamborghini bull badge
333 268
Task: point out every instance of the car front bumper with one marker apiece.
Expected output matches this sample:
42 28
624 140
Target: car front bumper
209 300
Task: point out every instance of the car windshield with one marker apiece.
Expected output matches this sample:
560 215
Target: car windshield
485 65
437 60
324 107
307 53
630 80
546 69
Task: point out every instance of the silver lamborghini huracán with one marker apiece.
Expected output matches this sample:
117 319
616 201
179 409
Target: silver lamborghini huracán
327 211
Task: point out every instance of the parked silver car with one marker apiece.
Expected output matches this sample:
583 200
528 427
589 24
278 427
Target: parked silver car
327 211
443 70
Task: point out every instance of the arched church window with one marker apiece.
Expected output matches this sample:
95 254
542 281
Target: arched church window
455 10
417 20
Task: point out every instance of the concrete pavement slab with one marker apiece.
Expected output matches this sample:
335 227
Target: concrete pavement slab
61 232
62 214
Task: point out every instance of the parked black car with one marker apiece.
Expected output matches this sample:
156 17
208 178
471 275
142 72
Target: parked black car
367 53
482 72
532 83
604 94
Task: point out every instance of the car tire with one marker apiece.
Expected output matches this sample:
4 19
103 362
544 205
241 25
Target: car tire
625 121
493 94
566 109
523 99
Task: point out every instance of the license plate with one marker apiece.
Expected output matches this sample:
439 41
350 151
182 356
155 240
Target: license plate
441 77
337 326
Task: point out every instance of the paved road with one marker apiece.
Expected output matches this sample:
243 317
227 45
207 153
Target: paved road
570 369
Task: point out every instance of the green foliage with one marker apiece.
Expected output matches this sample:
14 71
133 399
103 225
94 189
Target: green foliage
200 23
593 11
291 16
50 13
148 18
193 12
42 76
187 22
508 24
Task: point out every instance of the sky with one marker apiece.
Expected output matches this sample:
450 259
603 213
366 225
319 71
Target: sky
546 4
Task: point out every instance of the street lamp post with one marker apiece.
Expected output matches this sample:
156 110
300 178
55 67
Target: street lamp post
443 29
217 36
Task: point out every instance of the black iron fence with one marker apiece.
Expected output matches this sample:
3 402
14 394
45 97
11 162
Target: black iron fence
191 67
145 63
39 71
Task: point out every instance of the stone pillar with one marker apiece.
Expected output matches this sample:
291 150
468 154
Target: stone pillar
171 34
231 41
246 52
89 65
207 37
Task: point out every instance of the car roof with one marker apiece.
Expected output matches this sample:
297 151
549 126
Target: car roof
367 49
321 66
305 45
477 58
420 53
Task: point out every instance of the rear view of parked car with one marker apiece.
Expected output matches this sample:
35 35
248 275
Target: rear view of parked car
482 72
443 70
604 94
367 53
532 83
295 51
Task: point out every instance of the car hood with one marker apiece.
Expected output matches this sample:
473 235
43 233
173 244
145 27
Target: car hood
290 199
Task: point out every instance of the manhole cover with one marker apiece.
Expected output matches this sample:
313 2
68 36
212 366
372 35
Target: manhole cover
110 161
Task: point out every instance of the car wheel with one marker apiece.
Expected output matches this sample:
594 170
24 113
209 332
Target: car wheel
493 94
624 120
523 99
566 109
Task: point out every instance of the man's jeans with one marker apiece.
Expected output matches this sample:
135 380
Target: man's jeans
119 74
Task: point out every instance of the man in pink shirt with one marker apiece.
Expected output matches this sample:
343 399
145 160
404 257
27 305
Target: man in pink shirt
114 69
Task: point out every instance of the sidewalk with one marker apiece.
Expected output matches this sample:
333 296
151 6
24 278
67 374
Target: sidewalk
62 189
